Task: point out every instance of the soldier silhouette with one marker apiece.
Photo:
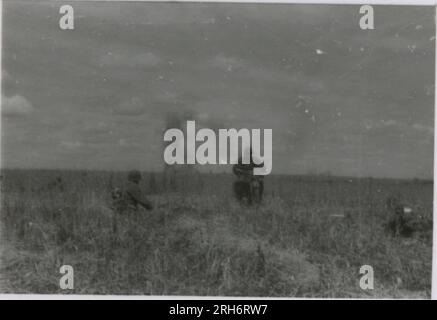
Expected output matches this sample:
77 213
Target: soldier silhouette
130 201
248 186
403 221
134 196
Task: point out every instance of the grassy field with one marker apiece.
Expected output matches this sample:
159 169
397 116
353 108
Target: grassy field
308 238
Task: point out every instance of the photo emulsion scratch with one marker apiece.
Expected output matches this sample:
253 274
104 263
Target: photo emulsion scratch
217 150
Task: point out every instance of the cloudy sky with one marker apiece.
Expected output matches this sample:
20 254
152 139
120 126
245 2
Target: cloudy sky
339 99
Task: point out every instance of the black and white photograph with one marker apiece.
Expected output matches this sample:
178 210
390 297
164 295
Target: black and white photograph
217 149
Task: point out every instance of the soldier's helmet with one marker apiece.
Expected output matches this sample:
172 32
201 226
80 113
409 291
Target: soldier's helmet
116 194
392 202
394 205
134 176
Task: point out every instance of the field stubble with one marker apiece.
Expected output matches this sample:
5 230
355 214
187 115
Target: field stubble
308 238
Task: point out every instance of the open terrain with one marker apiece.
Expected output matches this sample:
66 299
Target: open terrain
308 238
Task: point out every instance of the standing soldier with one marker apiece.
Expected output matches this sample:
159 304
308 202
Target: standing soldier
248 186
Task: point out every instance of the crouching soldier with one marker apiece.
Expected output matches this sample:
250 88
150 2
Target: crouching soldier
134 196
129 202
403 221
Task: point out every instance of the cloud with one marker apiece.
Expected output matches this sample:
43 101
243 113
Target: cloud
16 106
423 128
5 75
71 144
117 59
131 107
226 63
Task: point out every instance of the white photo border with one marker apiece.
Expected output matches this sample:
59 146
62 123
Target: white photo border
7 296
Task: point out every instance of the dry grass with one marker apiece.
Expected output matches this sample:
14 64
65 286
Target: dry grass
199 241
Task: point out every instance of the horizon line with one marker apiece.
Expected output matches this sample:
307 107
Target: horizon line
327 175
